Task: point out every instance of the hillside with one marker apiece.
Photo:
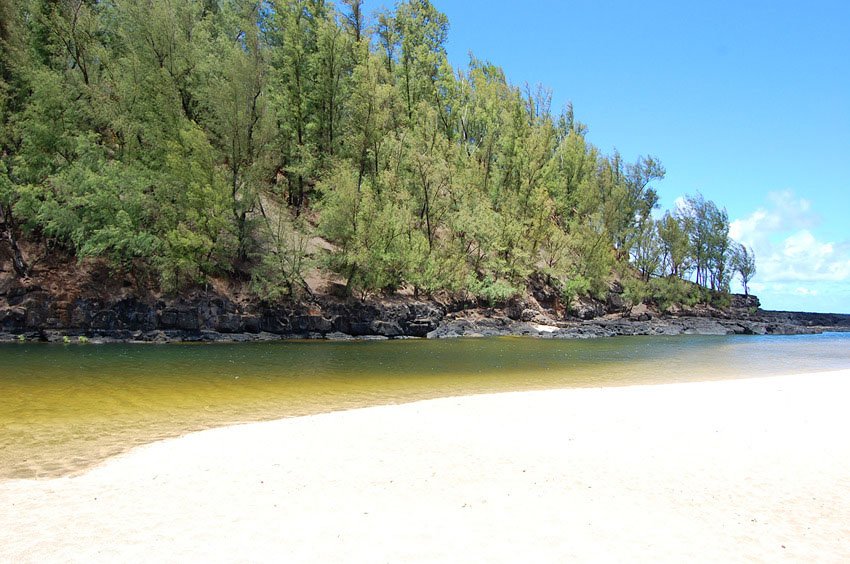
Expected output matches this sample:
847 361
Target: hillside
261 149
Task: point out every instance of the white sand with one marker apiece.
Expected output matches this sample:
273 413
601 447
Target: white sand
723 471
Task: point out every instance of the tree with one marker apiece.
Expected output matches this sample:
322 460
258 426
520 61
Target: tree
629 198
12 95
744 263
372 105
162 46
354 19
293 34
332 66
7 222
428 173
647 249
708 230
238 115
675 244
280 272
421 32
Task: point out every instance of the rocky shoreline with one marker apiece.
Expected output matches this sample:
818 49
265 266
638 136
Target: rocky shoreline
34 314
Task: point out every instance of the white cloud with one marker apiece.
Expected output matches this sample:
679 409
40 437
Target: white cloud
804 243
800 257
806 292
785 246
786 213
744 230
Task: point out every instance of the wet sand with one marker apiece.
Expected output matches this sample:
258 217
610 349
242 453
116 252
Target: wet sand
739 470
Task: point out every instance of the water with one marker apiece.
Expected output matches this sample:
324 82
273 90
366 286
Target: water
66 408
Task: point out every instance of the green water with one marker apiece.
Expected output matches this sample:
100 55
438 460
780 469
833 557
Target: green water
66 408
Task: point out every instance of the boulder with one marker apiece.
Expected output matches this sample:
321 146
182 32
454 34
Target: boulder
228 323
640 312
420 327
586 308
386 328
12 317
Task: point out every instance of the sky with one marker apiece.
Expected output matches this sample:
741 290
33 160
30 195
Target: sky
747 102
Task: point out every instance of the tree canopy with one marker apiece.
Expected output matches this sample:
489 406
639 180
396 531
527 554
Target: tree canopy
202 138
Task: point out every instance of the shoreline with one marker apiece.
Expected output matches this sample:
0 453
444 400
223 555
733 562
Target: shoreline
34 313
470 324
735 469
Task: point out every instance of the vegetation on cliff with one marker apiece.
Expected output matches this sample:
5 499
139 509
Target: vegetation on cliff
193 139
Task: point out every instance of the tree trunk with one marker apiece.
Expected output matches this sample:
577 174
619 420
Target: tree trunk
18 262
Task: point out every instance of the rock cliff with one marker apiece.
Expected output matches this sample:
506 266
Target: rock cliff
34 313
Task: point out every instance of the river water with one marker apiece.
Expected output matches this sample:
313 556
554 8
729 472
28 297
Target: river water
65 408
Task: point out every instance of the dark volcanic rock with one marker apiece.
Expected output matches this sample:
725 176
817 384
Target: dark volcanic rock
12 317
185 318
587 308
274 321
386 328
740 301
614 302
229 323
205 317
311 324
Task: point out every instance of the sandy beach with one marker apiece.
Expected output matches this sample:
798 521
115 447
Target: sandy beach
726 471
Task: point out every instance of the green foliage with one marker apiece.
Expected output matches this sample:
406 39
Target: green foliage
575 287
636 290
744 264
283 261
721 299
592 256
377 247
195 139
96 205
647 249
200 234
7 188
492 291
665 292
708 230
175 262
672 290
675 244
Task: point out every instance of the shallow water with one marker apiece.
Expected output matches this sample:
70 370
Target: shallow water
64 408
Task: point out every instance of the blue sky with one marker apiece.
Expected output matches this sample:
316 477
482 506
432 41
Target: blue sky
747 102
